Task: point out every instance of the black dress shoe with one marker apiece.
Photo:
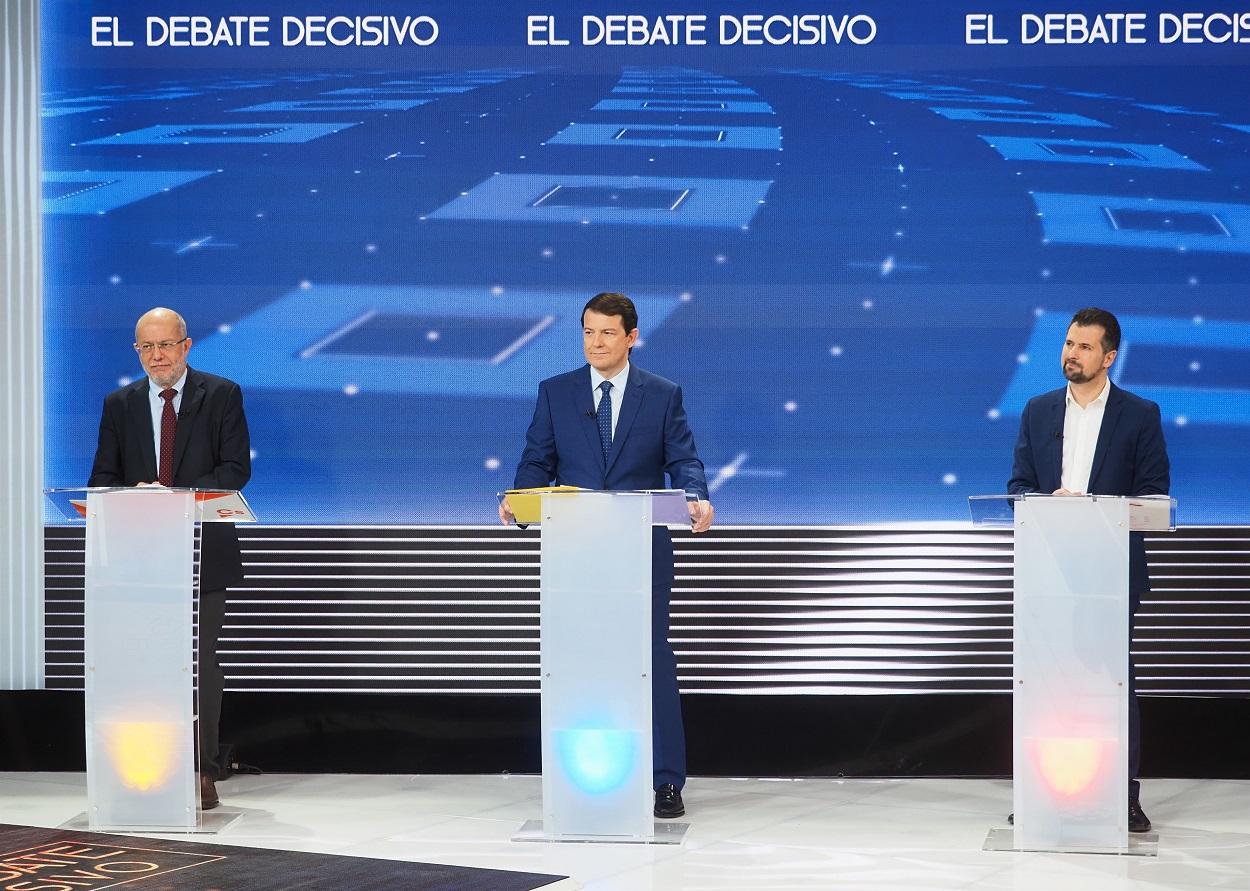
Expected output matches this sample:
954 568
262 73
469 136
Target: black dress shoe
1137 819
668 801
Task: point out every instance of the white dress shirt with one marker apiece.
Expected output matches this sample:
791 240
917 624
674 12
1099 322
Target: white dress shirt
1080 438
617 394
157 404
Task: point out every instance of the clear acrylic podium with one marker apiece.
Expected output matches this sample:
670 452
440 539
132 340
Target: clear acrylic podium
595 663
1070 665
137 651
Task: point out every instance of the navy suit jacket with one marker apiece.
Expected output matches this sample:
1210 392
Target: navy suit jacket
652 437
211 451
1130 458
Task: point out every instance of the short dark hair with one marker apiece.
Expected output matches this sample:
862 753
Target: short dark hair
1092 315
609 303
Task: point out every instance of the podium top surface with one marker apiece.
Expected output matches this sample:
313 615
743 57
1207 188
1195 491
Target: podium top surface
668 506
1147 513
211 505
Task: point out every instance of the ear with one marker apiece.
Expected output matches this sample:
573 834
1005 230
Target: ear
1109 358
631 338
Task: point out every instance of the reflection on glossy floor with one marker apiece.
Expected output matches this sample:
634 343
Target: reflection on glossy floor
744 833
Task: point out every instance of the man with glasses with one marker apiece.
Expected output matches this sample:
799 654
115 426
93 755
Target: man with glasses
183 428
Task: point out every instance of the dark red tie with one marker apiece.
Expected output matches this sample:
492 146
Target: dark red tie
169 423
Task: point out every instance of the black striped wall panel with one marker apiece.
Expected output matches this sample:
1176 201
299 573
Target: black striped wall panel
756 610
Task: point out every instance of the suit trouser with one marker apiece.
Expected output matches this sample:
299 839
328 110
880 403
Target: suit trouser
212 615
668 735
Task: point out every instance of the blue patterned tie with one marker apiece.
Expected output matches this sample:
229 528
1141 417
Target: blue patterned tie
605 419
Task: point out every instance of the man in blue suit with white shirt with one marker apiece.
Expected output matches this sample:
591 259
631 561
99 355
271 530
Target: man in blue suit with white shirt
1092 437
611 425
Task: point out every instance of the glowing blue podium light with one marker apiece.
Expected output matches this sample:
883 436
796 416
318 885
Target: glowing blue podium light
597 761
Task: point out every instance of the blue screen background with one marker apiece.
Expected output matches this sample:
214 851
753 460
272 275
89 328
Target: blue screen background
858 262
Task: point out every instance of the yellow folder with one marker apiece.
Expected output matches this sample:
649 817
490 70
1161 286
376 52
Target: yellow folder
526 504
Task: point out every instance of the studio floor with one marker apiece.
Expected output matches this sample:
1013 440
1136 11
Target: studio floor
744 833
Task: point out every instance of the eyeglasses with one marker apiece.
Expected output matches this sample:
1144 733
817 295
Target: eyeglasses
163 346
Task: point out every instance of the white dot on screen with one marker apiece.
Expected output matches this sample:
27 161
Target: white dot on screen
685 296
548 253
252 453
1198 320
224 329
1022 358
1195 366
371 248
497 290
721 258
949 479
993 414
835 350
1039 312
123 380
351 389
305 285
492 463
791 405
431 336
867 304
1181 420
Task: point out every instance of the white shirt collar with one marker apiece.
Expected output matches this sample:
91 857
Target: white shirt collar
1101 397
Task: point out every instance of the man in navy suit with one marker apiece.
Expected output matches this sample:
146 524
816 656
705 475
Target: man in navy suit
1092 437
207 448
629 441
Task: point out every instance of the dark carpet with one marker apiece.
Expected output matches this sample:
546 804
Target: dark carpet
56 859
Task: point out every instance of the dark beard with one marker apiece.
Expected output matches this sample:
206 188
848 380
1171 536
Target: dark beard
1077 377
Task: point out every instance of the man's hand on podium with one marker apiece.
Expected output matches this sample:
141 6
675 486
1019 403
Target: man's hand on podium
505 512
1066 492
700 515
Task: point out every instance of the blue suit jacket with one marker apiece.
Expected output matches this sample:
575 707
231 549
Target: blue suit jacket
1130 457
652 437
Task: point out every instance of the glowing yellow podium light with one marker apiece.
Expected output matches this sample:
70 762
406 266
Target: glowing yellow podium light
142 752
1070 766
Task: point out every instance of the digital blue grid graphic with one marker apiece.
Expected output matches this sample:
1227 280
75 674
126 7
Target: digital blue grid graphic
659 105
620 200
1182 402
335 105
56 111
970 98
209 134
1008 116
298 341
652 89
670 136
1084 151
99 191
398 90
886 258
1150 223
